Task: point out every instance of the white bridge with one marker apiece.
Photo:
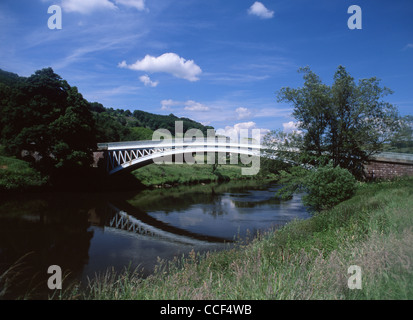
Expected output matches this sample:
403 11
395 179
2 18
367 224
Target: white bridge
133 155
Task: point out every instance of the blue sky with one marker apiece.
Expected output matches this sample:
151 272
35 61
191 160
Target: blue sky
217 62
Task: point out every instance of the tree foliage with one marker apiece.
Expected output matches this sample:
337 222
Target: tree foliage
46 119
44 116
325 186
124 125
346 122
402 141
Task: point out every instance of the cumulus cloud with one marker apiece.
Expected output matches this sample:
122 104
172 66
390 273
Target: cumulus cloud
191 105
290 127
87 6
167 63
167 104
242 113
259 10
147 81
243 130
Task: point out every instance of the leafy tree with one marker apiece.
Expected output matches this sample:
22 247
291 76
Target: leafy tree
45 117
282 146
97 107
402 141
74 133
139 133
345 122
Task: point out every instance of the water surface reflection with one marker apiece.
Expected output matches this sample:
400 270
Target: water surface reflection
86 234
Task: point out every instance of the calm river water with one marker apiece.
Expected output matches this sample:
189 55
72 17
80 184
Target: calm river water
85 234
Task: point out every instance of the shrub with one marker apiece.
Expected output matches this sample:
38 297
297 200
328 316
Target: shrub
325 186
328 186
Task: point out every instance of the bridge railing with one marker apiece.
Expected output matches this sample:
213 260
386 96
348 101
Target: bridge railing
175 143
132 154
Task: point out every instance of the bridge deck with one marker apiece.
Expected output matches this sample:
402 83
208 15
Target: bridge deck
173 143
394 157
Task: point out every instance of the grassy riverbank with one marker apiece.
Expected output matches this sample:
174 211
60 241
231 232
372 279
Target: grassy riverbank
17 175
304 260
170 174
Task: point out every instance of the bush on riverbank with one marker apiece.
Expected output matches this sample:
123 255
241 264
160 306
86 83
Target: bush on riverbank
328 186
325 186
17 175
304 260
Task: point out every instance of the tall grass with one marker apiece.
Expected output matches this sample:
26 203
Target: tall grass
304 260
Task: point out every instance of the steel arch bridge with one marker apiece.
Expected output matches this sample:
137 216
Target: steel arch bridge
121 156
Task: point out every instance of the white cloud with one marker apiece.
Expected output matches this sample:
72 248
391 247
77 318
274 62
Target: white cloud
87 6
290 127
191 105
242 130
409 46
122 64
83 6
137 4
242 113
259 10
147 81
167 104
168 63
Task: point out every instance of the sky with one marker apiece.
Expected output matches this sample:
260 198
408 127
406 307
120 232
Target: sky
217 62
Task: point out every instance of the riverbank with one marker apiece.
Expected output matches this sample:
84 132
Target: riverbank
167 175
18 176
306 259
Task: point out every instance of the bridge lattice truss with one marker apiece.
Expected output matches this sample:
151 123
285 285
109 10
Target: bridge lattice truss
123 221
132 155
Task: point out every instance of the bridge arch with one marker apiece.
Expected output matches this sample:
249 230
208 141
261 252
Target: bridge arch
122 156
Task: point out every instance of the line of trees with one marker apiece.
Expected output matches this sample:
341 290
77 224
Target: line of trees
45 119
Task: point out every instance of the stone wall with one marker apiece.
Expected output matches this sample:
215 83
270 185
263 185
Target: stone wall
387 170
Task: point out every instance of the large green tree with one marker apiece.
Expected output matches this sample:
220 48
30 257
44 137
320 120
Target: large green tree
346 122
45 117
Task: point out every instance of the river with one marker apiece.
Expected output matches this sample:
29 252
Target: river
87 234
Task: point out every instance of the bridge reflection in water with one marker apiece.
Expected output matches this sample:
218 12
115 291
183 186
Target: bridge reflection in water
85 235
121 220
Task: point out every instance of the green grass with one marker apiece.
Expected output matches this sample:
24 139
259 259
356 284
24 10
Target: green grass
18 175
306 259
165 174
